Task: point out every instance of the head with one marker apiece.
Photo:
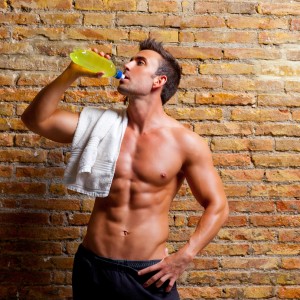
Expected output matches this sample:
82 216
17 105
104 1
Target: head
168 67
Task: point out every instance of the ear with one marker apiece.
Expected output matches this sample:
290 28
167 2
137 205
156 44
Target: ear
159 81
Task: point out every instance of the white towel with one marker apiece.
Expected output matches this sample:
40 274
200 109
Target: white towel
95 150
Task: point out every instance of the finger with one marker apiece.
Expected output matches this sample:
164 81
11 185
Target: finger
166 252
153 279
162 280
149 269
100 74
170 285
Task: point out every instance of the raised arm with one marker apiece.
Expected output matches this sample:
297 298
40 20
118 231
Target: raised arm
44 117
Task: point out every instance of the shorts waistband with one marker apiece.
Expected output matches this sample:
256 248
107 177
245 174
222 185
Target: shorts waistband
116 264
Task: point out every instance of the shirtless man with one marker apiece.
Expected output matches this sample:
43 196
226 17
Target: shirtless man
123 255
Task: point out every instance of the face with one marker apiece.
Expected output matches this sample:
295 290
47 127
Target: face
140 74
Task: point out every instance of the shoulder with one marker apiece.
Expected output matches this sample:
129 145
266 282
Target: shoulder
191 145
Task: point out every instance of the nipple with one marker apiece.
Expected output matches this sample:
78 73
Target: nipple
163 175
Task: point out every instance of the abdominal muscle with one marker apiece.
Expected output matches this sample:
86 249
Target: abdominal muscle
130 225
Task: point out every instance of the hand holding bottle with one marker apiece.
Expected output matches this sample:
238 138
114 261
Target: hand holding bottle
97 64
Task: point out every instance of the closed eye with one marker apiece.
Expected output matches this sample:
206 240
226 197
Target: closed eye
140 62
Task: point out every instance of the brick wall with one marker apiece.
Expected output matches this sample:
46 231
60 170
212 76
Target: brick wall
240 90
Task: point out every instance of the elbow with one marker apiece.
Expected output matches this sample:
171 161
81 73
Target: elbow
27 119
222 211
225 212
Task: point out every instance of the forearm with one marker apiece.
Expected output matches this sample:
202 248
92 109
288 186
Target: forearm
46 102
207 228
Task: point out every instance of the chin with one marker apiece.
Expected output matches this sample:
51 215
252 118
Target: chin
122 91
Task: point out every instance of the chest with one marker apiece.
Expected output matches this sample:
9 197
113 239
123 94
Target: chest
153 158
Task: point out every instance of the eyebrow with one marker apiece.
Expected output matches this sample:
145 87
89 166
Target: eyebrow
139 58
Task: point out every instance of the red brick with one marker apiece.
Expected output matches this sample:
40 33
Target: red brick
232 190
210 7
278 129
51 204
260 115
3 4
276 249
286 190
195 52
15 188
205 81
139 20
244 84
251 22
283 175
230 128
291 263
236 37
288 206
98 19
26 277
258 292
6 171
61 19
16 155
202 22
275 221
250 263
32 247
280 9
236 144
289 292
229 159
236 221
195 113
278 37
112 5
79 219
290 235
252 207
254 53
163 6
22 218
282 160
278 100
295 24
246 234
199 292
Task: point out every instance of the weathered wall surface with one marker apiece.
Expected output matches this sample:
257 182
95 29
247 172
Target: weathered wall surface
240 91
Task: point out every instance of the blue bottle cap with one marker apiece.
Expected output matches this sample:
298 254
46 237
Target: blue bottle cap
119 74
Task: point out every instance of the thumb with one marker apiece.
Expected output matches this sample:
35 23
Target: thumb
166 252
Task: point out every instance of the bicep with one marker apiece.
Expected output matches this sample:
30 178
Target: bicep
60 127
203 178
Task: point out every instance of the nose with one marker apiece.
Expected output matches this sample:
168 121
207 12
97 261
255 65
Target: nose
128 64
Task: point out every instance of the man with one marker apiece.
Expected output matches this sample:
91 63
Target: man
123 255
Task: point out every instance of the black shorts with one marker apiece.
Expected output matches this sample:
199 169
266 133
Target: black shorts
99 278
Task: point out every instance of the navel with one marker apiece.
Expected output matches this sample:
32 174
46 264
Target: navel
125 232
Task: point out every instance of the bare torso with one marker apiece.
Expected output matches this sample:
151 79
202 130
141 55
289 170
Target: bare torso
132 222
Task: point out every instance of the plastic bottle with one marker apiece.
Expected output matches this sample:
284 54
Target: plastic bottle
95 63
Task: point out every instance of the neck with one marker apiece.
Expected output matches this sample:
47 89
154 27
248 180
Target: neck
144 114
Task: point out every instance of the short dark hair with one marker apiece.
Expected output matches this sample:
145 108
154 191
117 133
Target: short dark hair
168 66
